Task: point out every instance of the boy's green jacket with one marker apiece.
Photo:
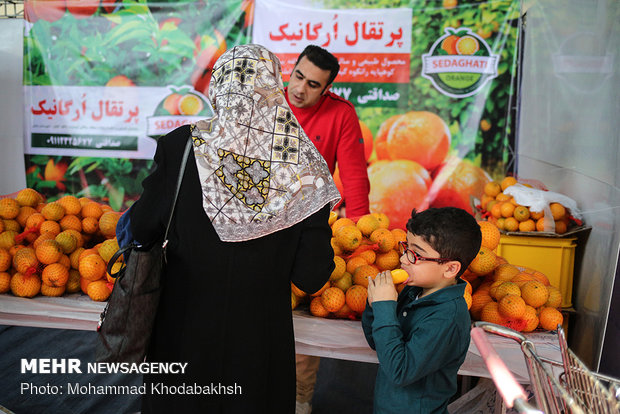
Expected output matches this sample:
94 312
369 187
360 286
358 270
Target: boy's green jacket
420 345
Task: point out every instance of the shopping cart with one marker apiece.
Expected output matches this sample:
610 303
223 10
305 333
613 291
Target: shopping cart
575 389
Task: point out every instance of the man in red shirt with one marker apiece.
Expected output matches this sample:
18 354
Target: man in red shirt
332 125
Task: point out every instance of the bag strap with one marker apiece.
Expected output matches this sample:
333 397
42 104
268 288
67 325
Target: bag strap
176 194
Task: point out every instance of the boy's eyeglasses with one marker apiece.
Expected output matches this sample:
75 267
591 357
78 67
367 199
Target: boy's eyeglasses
413 257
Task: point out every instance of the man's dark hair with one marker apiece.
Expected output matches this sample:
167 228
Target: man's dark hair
452 232
323 59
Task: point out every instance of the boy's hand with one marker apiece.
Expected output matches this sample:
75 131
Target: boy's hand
381 288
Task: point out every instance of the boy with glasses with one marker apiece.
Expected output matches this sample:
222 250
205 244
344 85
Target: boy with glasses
422 334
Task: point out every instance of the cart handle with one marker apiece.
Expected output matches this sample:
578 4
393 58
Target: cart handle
512 393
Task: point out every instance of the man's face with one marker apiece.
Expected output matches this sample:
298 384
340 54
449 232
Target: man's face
308 82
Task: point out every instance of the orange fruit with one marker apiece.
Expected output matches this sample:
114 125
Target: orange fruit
527 225
90 225
341 222
507 209
11 225
490 313
52 291
339 269
521 213
86 252
534 293
369 255
2 226
484 262
65 261
400 235
333 216
507 182
461 180
555 297
512 307
541 278
9 208
522 278
71 204
49 226
332 299
496 210
25 259
74 257
28 197
7 239
70 221
53 211
73 284
355 262
536 215
190 104
5 259
492 189
107 223
41 238
91 209
384 220
478 301
320 291
396 187
511 224
78 236
317 308
335 247
505 289
294 300
5 282
360 275
13 249
24 213
99 290
400 276
367 224
419 136
27 286
467 45
381 137
356 297
490 234
560 227
449 43
557 211
67 241
34 221
92 267
171 103
120 80
384 238
348 237
345 282
48 251
484 201
503 197
550 318
345 312
388 260
108 248
531 319
505 272
55 275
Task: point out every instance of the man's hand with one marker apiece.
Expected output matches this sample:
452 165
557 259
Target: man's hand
381 288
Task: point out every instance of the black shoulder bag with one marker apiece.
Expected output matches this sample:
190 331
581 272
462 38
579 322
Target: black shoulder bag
126 323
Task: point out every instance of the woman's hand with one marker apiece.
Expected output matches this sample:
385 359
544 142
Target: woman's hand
381 288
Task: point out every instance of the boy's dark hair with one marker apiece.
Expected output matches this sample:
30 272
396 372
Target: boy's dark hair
451 231
323 59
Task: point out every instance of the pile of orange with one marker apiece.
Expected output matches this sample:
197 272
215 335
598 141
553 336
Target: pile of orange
56 247
362 248
506 294
508 215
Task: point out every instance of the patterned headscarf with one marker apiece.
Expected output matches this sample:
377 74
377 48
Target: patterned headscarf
258 170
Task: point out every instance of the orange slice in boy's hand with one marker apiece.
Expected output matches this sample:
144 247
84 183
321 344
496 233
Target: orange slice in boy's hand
399 276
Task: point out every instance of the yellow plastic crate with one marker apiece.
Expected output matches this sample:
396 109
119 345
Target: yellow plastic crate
555 257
